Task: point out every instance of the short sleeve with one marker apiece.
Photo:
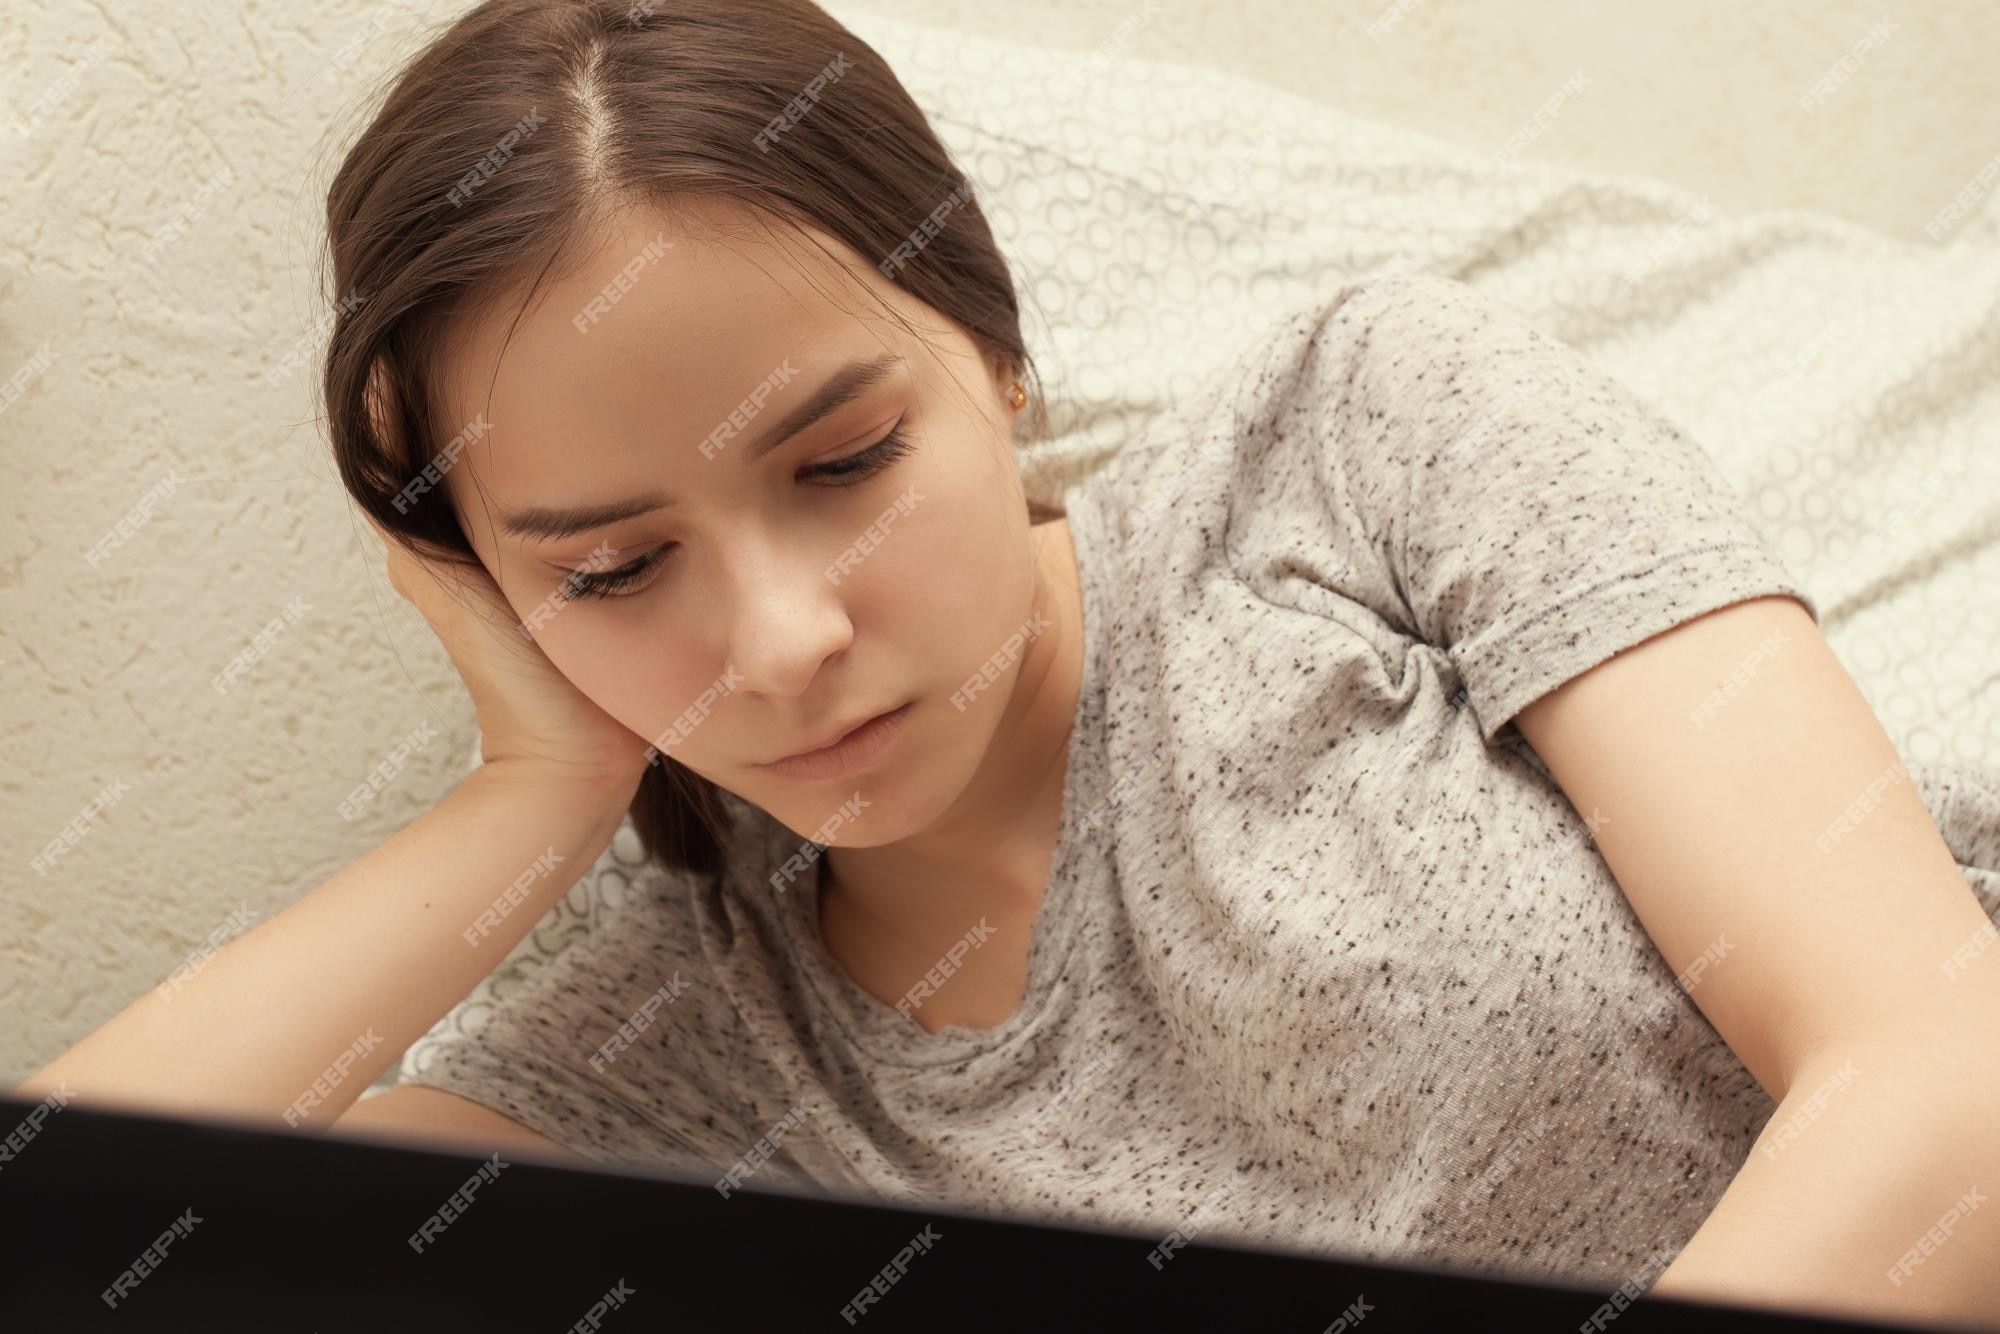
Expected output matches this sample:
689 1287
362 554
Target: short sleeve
1524 510
615 1045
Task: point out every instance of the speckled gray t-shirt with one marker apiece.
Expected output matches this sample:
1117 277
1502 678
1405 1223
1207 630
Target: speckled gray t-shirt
1326 958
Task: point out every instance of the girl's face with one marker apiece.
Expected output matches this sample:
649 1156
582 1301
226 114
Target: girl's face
784 497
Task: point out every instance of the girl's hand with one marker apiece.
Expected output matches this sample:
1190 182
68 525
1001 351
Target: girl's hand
527 709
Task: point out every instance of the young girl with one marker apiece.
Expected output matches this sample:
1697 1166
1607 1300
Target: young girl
1173 858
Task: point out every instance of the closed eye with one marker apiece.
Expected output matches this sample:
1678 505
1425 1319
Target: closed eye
607 583
844 472
866 463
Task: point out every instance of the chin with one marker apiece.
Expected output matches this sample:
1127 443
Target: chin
866 810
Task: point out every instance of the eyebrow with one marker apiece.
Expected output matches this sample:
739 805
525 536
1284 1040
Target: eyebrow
546 523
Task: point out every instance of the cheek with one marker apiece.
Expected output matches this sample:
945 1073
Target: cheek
961 582
615 664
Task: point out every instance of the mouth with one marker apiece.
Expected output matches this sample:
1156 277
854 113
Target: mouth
850 751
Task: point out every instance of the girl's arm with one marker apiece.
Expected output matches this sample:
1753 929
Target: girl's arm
288 1024
1742 790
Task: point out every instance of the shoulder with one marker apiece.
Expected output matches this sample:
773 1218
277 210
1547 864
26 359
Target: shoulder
1350 345
1364 351
1269 420
1402 317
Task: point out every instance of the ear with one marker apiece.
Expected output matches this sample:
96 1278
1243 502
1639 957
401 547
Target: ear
1003 374
378 398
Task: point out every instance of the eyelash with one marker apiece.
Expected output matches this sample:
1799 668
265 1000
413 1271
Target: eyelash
855 468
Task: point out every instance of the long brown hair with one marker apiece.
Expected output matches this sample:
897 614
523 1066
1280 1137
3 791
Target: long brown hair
502 147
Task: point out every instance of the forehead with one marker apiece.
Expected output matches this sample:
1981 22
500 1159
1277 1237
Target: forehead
657 332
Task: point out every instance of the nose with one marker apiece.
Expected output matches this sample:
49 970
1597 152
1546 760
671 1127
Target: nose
785 618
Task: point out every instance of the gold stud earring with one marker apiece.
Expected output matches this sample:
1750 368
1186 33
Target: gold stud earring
1017 395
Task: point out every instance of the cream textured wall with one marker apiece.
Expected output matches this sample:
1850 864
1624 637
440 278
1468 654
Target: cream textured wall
158 234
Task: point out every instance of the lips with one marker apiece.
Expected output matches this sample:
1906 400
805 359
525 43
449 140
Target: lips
834 738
